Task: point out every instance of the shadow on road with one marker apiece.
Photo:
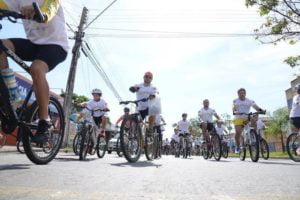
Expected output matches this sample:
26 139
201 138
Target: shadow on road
137 164
277 163
219 160
62 159
14 167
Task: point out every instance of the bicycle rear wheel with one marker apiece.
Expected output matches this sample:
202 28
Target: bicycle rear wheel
293 146
85 142
216 146
34 151
254 146
205 151
264 148
130 138
101 146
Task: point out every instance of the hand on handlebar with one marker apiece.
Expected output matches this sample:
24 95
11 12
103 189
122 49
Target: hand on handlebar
134 89
28 12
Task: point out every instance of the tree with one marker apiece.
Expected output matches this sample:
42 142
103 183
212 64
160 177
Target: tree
195 127
282 23
278 124
76 100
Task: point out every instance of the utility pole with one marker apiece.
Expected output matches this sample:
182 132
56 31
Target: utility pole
71 79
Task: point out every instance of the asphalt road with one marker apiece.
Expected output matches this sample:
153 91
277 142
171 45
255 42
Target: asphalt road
167 178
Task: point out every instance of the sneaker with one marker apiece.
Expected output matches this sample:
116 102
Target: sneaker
237 150
41 133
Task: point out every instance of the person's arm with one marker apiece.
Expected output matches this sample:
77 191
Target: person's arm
119 120
134 88
216 115
162 119
49 8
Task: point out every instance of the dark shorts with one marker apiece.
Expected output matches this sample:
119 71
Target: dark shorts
51 54
296 122
144 113
98 120
210 126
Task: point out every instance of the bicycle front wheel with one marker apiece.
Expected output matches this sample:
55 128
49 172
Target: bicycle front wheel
130 138
34 151
119 148
85 142
101 146
20 147
242 153
149 146
225 150
76 144
293 146
2 140
254 146
216 146
264 148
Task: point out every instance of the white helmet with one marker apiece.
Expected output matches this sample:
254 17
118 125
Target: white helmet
96 91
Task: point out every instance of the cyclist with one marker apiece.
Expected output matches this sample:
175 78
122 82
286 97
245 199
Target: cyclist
145 90
220 129
100 117
46 46
166 146
159 127
295 113
174 139
206 118
183 127
242 105
126 113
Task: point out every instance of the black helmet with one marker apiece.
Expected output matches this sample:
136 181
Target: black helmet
126 109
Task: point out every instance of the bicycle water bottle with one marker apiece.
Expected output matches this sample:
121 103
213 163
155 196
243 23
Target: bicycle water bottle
12 86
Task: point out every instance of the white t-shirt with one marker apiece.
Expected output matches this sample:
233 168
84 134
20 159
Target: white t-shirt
53 32
206 115
220 130
175 137
94 105
295 111
260 124
243 106
183 126
144 92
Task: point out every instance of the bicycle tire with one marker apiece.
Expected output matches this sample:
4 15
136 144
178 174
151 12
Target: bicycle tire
225 150
57 132
216 147
205 151
85 142
20 146
76 144
130 138
264 149
118 148
292 145
242 153
254 146
101 146
149 143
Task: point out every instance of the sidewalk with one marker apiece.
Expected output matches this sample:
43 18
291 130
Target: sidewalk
7 149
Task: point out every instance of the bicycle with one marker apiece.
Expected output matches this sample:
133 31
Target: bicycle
293 146
224 146
88 127
249 139
133 136
27 117
184 145
212 145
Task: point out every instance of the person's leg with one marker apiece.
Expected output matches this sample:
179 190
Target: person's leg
238 132
3 58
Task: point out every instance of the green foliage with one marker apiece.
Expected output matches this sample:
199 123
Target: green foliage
76 100
282 22
293 61
195 127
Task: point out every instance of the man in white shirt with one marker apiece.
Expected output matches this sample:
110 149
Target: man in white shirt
295 114
145 90
206 118
242 105
183 127
46 46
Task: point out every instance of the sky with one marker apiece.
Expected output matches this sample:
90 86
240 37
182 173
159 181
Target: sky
173 39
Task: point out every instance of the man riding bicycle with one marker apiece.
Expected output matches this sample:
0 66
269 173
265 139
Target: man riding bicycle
145 90
46 46
183 127
242 105
206 118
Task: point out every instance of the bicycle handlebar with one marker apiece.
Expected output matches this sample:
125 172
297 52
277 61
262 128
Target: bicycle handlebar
262 112
13 16
102 110
135 102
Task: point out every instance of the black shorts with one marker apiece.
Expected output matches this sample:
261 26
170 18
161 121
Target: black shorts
296 122
98 120
210 126
144 113
51 54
